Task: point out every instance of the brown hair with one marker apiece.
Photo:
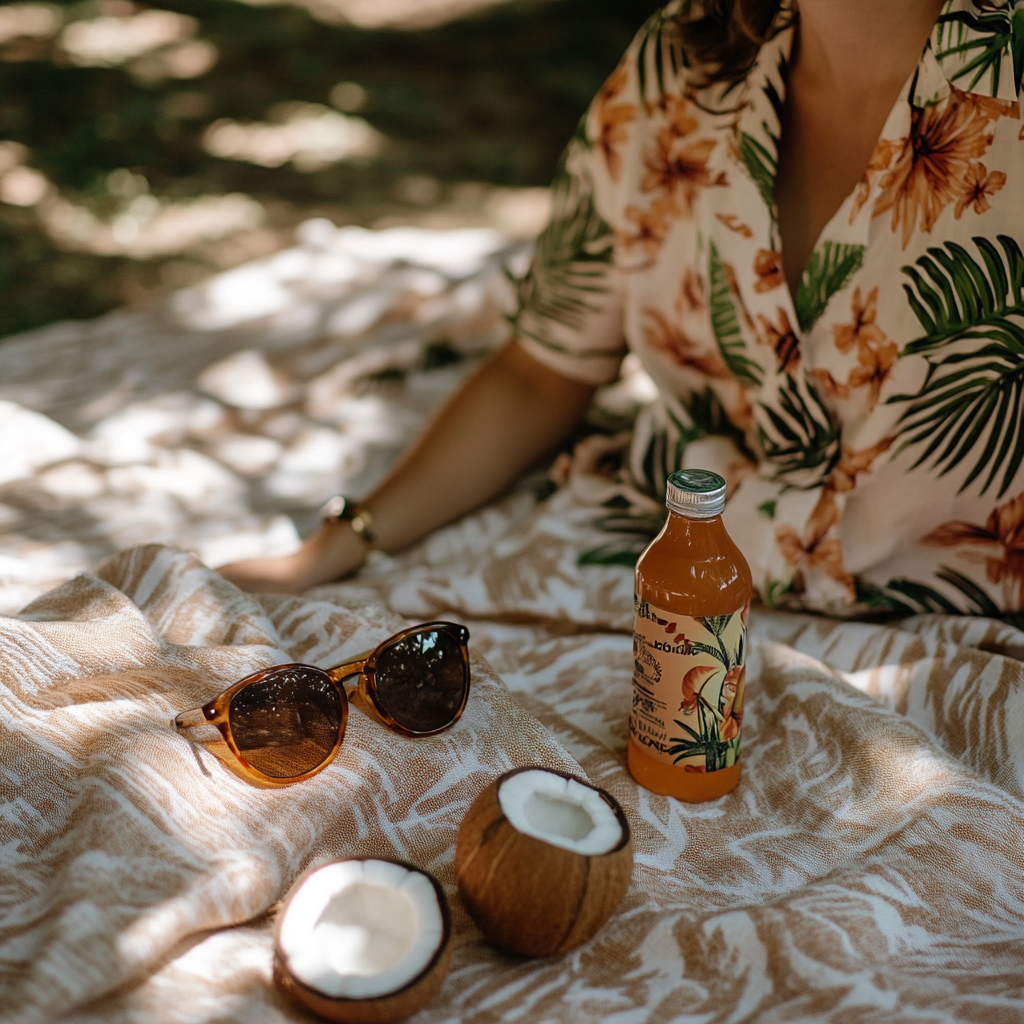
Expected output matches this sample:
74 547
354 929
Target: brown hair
722 37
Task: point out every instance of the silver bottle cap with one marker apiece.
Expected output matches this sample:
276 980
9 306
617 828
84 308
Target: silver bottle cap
695 493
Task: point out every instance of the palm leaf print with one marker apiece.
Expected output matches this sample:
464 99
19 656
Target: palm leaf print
800 437
572 257
710 418
660 56
911 597
983 39
716 624
760 163
725 322
972 394
622 520
828 271
663 455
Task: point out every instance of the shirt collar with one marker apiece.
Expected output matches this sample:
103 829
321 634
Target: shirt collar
970 49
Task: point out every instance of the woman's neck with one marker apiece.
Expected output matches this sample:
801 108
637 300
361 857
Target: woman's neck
850 60
852 47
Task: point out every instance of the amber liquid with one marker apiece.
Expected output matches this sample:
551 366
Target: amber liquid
691 568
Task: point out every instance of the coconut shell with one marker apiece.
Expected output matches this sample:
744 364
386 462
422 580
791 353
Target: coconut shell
396 1006
528 896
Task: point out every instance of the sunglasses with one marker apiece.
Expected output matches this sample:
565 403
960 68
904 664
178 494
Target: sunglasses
286 724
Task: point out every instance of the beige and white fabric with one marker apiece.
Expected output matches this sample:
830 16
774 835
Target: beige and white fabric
870 867
870 863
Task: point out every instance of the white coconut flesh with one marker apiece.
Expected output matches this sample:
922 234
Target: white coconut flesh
559 811
361 929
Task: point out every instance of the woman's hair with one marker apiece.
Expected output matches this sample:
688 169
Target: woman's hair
723 37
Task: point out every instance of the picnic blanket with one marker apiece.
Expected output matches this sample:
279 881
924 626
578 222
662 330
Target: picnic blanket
869 867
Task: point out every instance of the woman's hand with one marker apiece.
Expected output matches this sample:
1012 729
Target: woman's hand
509 414
333 552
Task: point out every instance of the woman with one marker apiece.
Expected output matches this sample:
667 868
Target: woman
804 221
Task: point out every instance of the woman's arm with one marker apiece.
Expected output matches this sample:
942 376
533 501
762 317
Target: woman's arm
511 412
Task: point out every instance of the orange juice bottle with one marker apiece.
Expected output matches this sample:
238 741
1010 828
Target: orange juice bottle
691 599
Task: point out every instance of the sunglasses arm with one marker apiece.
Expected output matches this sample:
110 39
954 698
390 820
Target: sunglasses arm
189 719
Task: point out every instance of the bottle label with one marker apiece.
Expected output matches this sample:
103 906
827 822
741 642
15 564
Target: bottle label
688 680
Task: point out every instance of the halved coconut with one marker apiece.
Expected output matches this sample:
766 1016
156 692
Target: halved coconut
542 861
363 941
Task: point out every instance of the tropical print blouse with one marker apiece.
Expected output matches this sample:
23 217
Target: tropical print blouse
870 426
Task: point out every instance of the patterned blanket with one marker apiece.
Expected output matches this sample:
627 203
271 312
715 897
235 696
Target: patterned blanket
869 867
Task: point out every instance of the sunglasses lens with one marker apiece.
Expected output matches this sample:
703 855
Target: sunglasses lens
422 680
287 723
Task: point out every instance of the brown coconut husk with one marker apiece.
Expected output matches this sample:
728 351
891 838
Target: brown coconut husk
528 896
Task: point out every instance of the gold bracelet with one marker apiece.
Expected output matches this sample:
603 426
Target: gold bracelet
340 509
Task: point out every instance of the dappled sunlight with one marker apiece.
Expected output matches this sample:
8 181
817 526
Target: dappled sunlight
156 44
19 185
23 186
249 407
405 14
309 135
29 21
147 226
144 148
142 226
194 168
107 42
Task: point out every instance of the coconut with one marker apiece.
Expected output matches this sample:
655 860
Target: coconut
363 941
542 861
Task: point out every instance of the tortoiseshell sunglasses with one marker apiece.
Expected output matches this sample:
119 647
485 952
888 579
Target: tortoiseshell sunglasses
286 724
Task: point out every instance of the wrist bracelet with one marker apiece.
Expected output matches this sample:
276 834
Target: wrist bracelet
340 509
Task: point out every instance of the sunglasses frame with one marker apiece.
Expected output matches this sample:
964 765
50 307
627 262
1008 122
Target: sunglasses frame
217 712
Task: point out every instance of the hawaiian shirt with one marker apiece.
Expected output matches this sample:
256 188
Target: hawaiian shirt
871 425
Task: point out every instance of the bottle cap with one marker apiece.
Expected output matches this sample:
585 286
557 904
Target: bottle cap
695 493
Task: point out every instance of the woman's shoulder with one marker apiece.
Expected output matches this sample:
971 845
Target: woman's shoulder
659 86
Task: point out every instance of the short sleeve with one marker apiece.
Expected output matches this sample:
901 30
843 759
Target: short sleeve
569 312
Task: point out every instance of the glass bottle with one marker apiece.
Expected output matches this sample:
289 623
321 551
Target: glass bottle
692 594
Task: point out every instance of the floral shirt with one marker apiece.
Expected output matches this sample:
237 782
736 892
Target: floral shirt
870 426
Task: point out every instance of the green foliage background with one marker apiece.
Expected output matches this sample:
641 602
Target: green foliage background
490 98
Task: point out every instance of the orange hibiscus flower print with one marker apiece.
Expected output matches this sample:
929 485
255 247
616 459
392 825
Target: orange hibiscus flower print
664 336
832 387
782 338
876 363
679 172
880 159
978 185
1003 537
678 117
768 267
651 227
733 223
931 170
854 462
691 292
612 121
876 354
820 547
864 330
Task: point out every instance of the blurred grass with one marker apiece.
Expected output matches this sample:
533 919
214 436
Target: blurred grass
489 99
